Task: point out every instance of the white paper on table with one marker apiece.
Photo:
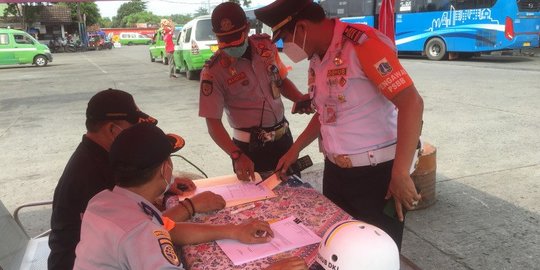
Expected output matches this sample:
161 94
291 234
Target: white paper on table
233 191
289 234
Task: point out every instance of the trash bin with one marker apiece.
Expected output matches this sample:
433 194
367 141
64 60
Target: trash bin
424 175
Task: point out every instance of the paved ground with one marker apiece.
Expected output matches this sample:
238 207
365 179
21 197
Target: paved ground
481 114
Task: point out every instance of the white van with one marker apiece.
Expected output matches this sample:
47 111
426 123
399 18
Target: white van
195 44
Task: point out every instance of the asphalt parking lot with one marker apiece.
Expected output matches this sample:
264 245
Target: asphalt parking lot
481 114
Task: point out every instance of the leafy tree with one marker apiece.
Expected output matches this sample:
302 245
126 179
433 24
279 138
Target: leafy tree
141 17
28 13
127 9
245 3
89 8
105 22
181 19
201 11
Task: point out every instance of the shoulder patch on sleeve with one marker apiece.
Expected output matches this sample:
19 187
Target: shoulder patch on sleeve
352 33
167 249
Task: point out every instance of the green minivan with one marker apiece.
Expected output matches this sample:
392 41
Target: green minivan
195 44
18 47
157 48
132 38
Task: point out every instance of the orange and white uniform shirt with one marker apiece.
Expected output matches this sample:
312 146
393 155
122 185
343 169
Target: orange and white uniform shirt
241 86
122 230
352 87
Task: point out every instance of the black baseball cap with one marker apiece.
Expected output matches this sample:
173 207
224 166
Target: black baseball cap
113 104
279 13
143 146
229 23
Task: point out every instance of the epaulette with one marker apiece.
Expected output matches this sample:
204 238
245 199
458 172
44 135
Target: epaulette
353 33
210 62
261 36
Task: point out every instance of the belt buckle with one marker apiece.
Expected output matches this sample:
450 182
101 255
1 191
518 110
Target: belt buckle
343 161
267 136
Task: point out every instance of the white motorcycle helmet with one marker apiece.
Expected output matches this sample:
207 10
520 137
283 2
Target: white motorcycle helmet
355 245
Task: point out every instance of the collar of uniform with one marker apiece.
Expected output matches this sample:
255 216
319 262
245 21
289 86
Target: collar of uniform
337 39
134 196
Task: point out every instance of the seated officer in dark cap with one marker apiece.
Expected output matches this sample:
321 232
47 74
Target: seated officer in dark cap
122 229
246 78
369 112
88 172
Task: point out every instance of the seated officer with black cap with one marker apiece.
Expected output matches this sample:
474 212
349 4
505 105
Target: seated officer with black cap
88 172
121 229
246 78
369 112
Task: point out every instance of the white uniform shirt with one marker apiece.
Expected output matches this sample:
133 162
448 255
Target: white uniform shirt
365 119
116 233
241 86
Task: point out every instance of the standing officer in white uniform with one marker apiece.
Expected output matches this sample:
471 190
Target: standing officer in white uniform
246 78
369 112
121 229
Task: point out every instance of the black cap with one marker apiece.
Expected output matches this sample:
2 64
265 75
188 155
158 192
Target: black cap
229 23
279 13
113 104
143 146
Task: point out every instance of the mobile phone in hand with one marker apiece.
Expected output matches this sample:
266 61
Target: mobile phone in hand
301 106
300 165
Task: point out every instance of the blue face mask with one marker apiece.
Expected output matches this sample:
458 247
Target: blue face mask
238 51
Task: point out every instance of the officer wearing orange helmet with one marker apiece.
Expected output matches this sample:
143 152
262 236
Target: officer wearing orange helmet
246 78
369 112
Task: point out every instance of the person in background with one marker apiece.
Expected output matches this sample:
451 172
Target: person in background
88 172
246 79
168 29
121 229
369 113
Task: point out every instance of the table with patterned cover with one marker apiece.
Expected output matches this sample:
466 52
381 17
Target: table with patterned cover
293 199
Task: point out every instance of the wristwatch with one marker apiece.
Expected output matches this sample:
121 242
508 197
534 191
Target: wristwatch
236 154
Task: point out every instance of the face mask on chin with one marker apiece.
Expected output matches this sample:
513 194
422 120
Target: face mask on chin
238 51
293 51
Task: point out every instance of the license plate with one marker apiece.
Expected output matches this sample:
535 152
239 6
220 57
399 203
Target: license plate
213 48
526 44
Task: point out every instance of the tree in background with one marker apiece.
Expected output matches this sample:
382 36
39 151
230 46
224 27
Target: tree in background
126 9
200 12
181 19
141 17
28 13
89 8
245 3
105 22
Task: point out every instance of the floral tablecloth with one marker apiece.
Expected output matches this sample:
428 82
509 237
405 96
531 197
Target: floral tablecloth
316 212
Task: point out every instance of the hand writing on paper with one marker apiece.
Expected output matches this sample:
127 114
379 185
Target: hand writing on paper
183 186
253 232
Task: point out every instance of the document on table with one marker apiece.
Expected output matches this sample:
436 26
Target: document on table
234 191
289 234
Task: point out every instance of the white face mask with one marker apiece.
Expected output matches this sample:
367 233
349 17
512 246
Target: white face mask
293 51
168 184
237 52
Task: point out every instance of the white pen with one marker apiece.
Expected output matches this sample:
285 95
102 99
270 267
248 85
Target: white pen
244 208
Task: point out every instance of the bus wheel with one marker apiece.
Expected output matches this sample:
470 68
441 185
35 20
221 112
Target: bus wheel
164 59
435 49
40 61
152 59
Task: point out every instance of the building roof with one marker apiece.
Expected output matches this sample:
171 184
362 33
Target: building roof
55 14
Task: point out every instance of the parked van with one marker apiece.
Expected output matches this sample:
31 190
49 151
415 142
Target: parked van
18 47
195 44
132 38
157 49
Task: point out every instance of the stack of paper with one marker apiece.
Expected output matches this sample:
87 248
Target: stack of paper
289 234
234 191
